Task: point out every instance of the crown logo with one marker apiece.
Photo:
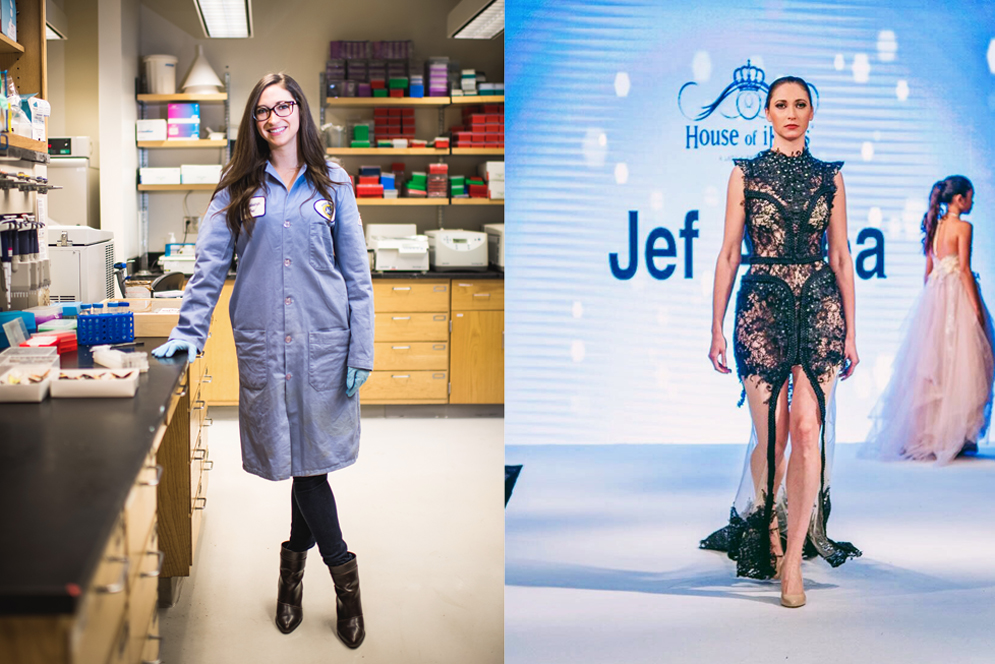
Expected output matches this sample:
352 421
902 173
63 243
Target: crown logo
749 77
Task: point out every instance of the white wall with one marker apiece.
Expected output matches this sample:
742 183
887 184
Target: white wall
292 36
118 67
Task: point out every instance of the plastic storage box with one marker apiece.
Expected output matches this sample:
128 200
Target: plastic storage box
100 383
26 382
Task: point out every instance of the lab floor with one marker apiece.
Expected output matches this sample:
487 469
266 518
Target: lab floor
602 564
423 509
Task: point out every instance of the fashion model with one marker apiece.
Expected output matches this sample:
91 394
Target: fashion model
938 403
302 316
794 336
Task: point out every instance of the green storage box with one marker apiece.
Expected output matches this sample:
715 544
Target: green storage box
359 144
361 133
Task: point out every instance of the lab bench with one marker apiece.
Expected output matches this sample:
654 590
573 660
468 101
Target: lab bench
98 515
438 339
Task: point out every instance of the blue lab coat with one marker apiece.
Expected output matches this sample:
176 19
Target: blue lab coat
301 311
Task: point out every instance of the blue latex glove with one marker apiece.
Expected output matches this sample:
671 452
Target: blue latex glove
354 379
169 348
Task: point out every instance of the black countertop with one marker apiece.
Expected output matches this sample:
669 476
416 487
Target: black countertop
489 274
66 467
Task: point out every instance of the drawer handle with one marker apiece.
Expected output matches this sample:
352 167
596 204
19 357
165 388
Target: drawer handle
439 317
202 506
202 406
158 571
202 457
465 285
158 476
208 421
207 379
182 392
402 288
200 355
438 346
208 461
401 376
400 317
400 347
481 294
114 588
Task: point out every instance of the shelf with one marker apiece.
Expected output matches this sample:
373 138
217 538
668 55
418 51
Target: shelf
19 147
479 99
478 151
402 201
386 101
183 144
177 187
477 201
8 45
216 96
345 152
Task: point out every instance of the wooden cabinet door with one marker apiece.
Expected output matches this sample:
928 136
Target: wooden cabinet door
221 387
477 359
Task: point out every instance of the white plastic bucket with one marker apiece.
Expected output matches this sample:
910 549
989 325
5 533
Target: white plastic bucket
160 72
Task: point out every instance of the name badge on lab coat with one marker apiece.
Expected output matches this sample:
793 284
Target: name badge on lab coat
257 206
326 209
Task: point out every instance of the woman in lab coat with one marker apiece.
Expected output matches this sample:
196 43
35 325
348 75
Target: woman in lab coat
302 317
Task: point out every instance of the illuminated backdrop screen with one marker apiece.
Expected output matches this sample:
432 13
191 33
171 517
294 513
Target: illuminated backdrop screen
624 120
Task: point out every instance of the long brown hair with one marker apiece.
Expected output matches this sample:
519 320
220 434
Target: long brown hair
246 171
943 193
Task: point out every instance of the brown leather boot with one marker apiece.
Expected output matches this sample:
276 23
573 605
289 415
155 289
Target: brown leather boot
290 590
350 626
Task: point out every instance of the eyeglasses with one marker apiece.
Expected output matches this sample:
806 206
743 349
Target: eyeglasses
283 109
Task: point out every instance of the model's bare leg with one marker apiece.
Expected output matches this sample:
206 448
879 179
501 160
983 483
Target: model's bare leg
804 464
757 395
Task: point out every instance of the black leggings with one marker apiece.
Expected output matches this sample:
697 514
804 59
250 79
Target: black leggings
315 519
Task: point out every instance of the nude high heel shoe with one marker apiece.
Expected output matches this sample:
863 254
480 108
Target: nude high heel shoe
793 601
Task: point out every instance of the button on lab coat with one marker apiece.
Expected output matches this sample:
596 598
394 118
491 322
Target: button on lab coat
301 311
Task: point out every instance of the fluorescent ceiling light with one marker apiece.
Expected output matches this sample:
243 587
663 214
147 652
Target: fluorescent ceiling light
225 19
476 19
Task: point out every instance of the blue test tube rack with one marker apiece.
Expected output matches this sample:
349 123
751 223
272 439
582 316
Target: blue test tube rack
95 329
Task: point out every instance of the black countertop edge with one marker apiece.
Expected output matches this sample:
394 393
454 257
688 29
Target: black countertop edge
66 469
488 274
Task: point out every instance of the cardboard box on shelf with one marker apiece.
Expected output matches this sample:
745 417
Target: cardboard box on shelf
200 173
159 175
150 130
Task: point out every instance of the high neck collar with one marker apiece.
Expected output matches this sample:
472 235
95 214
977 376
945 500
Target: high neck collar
803 153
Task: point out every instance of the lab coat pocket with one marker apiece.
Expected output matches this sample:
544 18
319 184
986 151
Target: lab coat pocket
327 352
250 346
322 250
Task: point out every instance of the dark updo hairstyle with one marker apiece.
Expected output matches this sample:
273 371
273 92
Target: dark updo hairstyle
942 193
784 80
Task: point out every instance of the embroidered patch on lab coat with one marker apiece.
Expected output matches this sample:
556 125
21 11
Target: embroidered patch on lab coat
325 209
257 206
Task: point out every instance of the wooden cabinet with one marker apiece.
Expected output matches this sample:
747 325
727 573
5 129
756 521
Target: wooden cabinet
477 354
182 494
414 358
115 617
221 388
412 326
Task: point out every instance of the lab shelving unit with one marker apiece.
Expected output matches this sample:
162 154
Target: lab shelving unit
143 155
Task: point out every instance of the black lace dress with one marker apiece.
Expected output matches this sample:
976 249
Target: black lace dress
788 313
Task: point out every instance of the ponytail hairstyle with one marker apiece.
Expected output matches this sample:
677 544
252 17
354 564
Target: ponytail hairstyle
805 85
245 173
940 195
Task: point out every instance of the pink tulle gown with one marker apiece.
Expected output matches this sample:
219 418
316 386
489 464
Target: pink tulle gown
940 395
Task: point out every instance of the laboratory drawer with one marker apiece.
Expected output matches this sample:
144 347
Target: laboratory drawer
411 327
411 355
483 295
406 385
198 413
140 510
149 640
199 504
197 460
119 648
103 606
142 596
410 295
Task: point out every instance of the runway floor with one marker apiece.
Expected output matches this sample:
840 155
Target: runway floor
602 563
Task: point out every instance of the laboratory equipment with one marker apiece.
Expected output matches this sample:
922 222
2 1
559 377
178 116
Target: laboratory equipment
82 263
26 275
397 247
495 245
450 250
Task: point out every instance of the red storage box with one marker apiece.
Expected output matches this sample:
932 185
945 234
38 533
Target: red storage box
378 84
395 111
493 128
369 190
494 108
407 112
478 119
369 179
477 190
395 92
438 168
